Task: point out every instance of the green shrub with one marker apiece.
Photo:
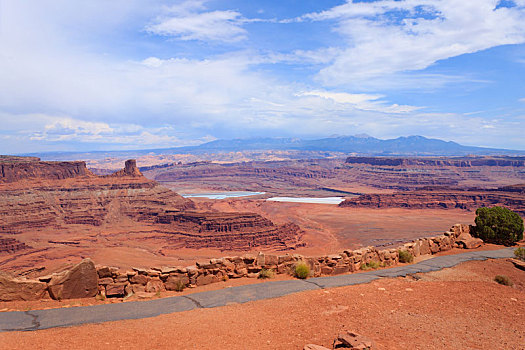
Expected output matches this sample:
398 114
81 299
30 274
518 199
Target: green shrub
265 273
371 265
519 253
498 225
302 270
405 256
504 280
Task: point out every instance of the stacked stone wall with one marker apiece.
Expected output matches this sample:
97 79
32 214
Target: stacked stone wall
116 283
87 280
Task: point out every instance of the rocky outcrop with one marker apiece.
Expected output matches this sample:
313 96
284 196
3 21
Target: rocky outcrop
81 281
230 231
351 340
379 172
130 169
14 289
84 203
441 199
464 162
11 245
14 169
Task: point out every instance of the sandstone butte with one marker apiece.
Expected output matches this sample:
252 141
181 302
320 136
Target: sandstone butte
64 198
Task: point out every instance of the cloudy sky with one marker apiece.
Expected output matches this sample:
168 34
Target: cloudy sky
134 74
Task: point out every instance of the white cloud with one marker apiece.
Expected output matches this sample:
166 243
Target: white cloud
522 100
388 37
364 102
188 22
58 87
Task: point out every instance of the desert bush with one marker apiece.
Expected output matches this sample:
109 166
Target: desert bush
179 286
371 265
519 253
405 256
498 225
302 270
265 273
504 280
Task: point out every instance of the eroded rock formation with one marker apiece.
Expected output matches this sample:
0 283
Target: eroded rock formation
49 205
510 197
14 169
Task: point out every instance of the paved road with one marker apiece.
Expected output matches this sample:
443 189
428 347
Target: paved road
42 319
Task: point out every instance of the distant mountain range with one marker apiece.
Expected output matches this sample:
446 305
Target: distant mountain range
358 145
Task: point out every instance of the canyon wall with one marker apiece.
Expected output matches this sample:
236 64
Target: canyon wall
374 172
510 197
446 162
43 205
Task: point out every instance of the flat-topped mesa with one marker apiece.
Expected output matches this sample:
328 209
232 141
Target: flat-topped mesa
464 162
130 169
13 169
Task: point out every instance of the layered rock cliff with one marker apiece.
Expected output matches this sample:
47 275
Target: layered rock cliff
41 201
449 162
14 169
513 199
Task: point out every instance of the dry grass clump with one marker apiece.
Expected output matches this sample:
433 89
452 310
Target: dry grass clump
504 280
265 274
405 256
302 270
519 253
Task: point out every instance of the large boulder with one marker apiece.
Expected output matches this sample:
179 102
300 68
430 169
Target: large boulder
81 281
14 289
466 241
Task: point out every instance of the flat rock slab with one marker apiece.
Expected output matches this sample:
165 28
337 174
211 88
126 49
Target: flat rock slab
63 317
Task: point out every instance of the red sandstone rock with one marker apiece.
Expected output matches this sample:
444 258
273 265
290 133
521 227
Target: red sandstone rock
314 347
155 285
203 280
81 281
466 241
352 340
19 168
84 199
139 279
13 289
174 282
130 169
518 263
11 245
442 199
116 290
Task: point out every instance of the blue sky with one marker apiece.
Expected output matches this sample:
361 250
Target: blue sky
134 74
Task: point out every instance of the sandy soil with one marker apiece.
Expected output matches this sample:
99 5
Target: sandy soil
329 228
460 308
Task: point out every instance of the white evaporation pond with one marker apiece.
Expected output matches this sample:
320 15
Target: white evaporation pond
221 195
314 200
